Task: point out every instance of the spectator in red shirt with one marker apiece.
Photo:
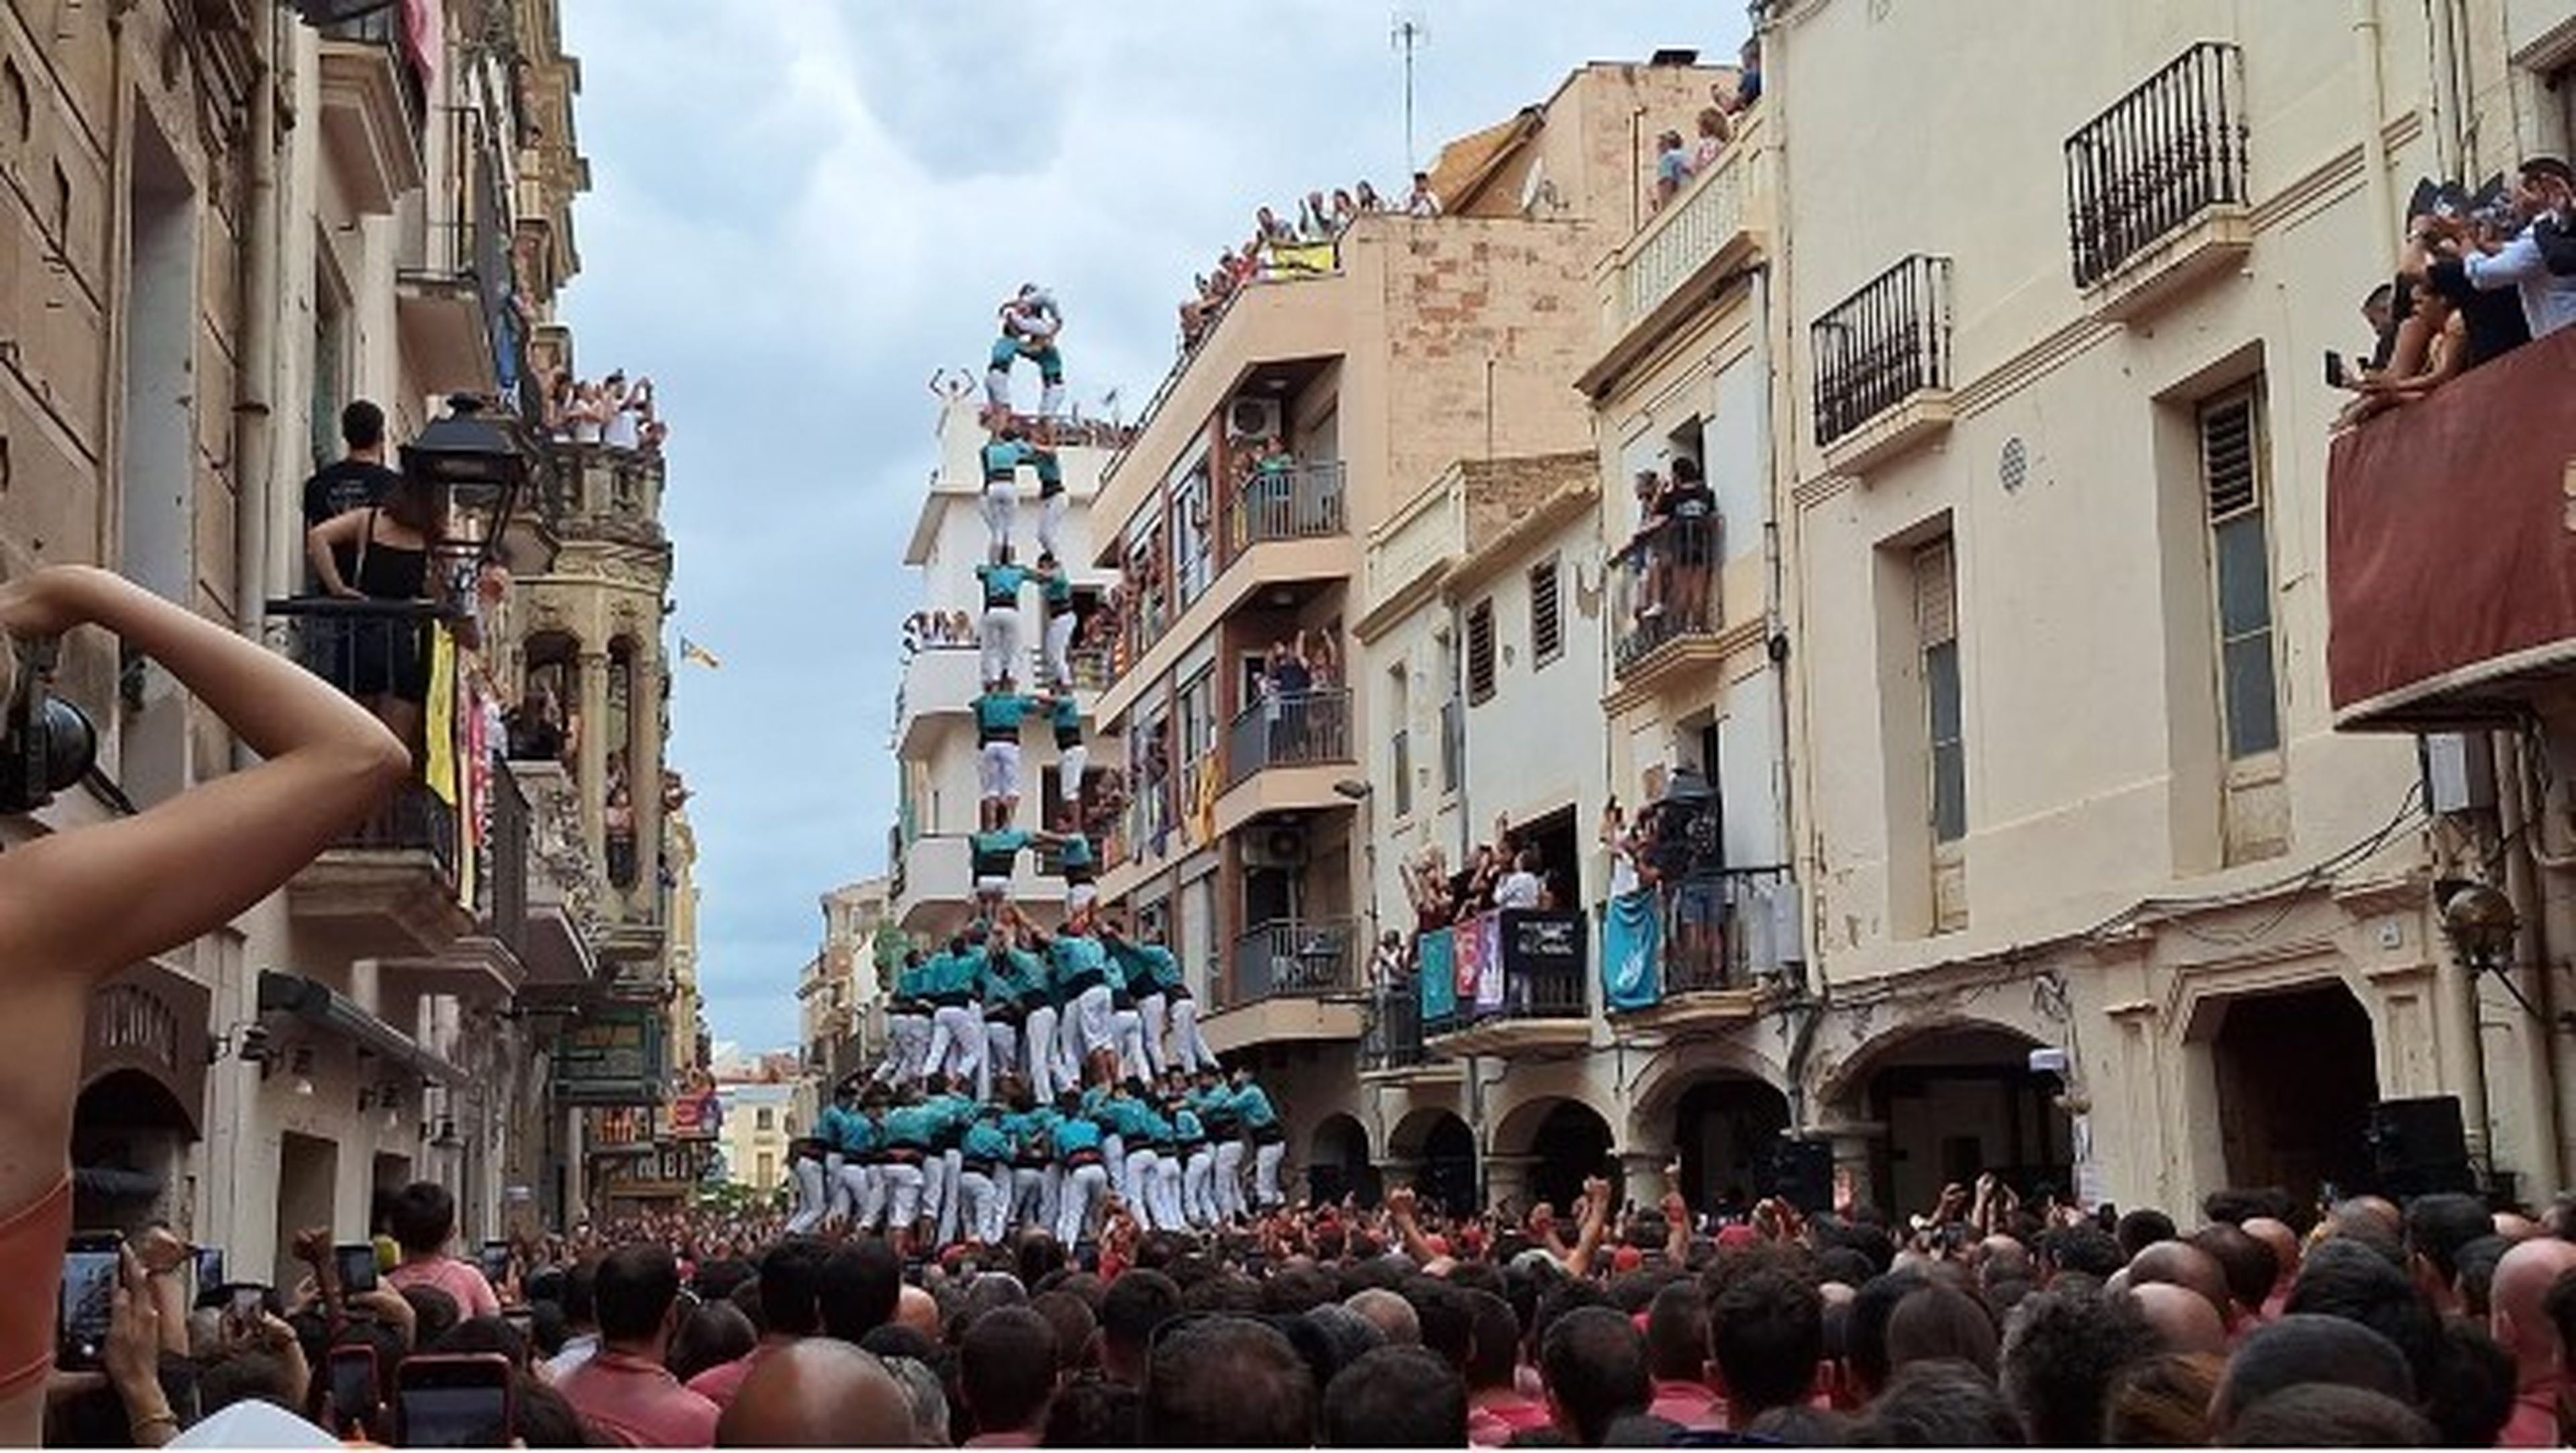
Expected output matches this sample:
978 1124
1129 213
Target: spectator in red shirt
791 1309
625 1390
2522 1326
1677 1356
423 1218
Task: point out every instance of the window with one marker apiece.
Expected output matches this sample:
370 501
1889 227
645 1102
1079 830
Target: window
1453 718
1402 749
768 1174
1480 651
1547 636
2231 472
1936 632
1399 700
766 1120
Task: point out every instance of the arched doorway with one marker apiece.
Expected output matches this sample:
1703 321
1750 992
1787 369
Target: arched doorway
1725 1130
1339 1163
1443 1151
1572 1144
1959 1101
2299 1120
129 1135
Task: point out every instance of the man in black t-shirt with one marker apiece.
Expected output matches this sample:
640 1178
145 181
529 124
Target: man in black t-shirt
359 478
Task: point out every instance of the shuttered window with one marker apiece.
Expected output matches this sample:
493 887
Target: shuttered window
1547 603
2231 468
1936 632
1480 651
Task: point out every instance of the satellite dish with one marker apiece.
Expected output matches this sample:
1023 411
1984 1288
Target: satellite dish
1535 188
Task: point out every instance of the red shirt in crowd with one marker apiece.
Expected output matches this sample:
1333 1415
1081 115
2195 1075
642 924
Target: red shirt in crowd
720 1383
2534 1423
639 1403
1690 1404
462 1281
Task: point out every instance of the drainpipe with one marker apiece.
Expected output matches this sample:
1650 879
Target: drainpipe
254 423
2384 220
2450 130
2519 817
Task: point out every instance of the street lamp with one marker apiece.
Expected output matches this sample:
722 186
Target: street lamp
2480 922
476 467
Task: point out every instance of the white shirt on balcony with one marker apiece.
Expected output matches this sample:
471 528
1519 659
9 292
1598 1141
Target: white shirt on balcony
1518 889
2548 299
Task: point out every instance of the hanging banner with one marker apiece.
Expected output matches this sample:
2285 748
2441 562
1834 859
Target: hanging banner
1438 954
1490 962
1632 946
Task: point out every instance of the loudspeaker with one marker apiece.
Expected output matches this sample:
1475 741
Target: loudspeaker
2420 1146
1802 1173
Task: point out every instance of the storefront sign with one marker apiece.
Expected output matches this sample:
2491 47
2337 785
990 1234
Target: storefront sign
151 1021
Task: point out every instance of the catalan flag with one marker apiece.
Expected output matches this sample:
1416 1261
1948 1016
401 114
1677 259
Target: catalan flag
692 651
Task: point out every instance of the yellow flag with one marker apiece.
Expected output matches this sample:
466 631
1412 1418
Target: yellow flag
439 715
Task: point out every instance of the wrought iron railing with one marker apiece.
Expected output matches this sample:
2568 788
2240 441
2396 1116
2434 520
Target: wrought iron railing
1664 587
505 878
1725 931
2160 156
1299 730
1391 1038
377 651
1526 964
1290 502
1293 958
1881 346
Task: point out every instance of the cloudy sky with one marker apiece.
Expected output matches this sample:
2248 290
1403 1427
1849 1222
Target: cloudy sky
800 210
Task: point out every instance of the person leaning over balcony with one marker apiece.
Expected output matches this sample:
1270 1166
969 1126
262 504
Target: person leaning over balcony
1003 454
2449 255
81 904
388 548
1715 131
1672 167
1692 542
1002 652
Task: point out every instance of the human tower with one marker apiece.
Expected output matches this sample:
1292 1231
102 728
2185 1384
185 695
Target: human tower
1036 1076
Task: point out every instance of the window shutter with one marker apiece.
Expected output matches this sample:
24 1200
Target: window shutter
1546 629
1480 651
2227 459
1936 606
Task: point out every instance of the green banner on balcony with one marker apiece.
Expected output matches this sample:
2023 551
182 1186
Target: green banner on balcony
1632 943
1438 969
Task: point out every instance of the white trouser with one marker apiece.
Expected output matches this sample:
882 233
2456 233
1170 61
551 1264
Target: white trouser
997 386
1051 524
812 1200
867 1195
836 1194
1059 648
1070 763
1113 1154
1068 1049
1051 399
1196 1205
1094 1019
1229 1178
1265 1173
985 1212
1000 643
1083 1187
1130 1027
907 1036
1150 1026
948 1168
997 770
1001 1055
1042 1051
1033 1197
903 1194
1001 514
1141 1176
1189 1047
956 1041
1168 1210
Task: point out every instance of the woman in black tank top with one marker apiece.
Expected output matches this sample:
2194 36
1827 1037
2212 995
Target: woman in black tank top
388 550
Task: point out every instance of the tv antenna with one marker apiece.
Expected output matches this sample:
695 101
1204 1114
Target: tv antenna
1409 33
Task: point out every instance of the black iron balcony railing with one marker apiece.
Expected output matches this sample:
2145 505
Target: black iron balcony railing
376 650
1293 958
1392 1036
1290 502
505 877
1530 964
1720 932
1881 346
1299 730
2160 156
1664 587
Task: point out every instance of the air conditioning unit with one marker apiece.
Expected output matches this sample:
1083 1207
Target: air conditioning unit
1252 418
1276 847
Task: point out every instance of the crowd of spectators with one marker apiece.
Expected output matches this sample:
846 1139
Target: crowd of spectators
1989 1320
933 630
1677 159
611 411
2480 276
1277 246
1675 551
1506 871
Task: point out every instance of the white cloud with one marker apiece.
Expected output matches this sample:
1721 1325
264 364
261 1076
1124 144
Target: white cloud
801 210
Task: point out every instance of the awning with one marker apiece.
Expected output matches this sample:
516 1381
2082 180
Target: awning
318 1004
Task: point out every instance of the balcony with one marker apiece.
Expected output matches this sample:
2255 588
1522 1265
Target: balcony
1284 755
604 493
2156 197
1297 502
1665 599
453 283
938 891
1882 359
2450 572
1289 979
1392 1046
1725 940
562 879
1681 258
389 889
940 683
371 110
1507 982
